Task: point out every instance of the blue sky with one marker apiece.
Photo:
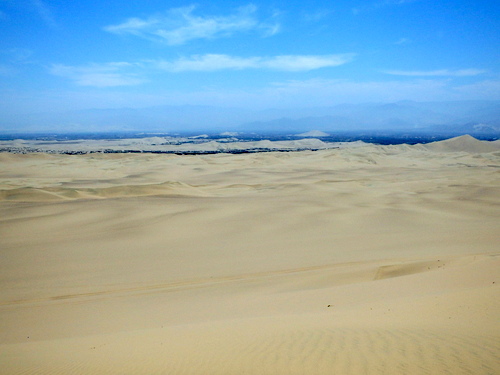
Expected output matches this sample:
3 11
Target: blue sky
58 55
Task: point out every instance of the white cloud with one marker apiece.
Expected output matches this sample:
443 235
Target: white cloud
437 73
126 73
115 74
99 75
209 62
180 25
306 62
212 62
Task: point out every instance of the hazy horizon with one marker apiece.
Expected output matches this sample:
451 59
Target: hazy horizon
458 117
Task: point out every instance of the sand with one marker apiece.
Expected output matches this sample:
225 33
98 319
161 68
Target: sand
366 260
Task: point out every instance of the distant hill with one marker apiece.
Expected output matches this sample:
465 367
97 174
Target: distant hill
313 134
465 143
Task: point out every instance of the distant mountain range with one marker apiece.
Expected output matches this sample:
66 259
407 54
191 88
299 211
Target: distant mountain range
476 117
456 117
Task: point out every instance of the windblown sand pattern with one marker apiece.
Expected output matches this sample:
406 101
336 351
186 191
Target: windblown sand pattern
367 260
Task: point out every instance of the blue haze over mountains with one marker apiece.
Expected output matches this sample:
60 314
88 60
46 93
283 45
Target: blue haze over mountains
453 117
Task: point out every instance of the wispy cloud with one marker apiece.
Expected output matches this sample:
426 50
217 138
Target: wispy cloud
335 91
316 92
437 73
394 2
6 70
13 60
39 7
209 62
44 11
17 55
291 63
402 41
306 62
180 25
317 16
380 4
134 73
485 90
99 75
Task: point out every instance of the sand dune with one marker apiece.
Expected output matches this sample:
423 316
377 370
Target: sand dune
367 260
464 143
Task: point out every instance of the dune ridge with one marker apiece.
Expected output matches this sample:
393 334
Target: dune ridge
61 193
464 143
366 260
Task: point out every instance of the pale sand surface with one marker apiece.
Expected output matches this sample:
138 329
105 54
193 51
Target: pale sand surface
370 260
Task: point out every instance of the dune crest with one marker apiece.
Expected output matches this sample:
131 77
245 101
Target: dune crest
464 143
